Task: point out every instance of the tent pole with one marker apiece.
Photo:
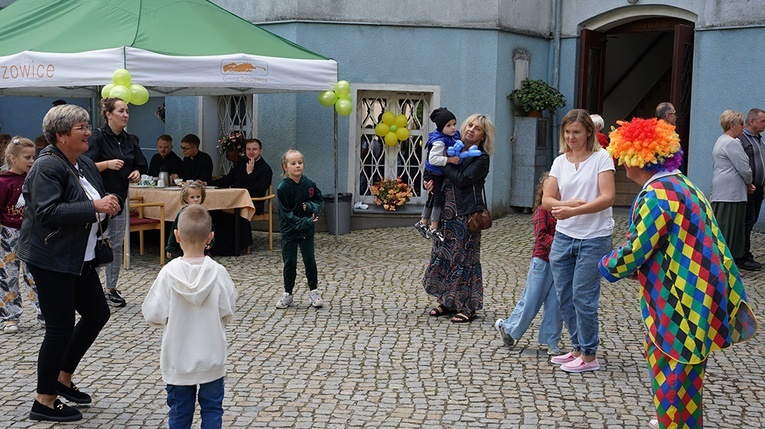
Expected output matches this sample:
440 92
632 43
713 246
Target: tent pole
337 206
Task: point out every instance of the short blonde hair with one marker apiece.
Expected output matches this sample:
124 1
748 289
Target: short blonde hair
194 224
487 144
729 118
583 117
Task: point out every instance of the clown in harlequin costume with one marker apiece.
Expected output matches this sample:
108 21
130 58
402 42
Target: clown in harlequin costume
693 301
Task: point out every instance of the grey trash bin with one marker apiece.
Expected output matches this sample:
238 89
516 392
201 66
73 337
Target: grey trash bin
344 214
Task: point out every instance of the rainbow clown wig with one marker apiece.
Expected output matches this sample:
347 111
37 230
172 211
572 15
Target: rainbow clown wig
650 144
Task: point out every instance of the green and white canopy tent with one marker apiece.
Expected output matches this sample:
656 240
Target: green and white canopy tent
70 48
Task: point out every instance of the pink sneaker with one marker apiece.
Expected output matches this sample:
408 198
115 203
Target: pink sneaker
560 360
579 365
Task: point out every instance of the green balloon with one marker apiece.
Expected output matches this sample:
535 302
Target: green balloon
342 89
106 90
121 77
122 92
343 107
138 94
327 98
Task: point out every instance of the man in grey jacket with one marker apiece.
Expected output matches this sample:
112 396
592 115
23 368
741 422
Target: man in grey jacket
754 146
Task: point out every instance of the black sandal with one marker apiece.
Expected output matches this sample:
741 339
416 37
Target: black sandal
440 311
462 318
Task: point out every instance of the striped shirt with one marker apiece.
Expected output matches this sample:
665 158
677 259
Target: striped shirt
754 146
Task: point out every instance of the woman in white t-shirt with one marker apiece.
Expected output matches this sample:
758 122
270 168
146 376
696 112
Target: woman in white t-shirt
580 193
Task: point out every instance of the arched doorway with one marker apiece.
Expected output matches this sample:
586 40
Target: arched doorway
627 70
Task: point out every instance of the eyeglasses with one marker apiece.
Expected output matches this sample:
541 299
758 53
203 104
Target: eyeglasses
83 128
185 148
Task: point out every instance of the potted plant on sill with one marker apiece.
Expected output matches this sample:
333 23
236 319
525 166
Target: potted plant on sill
535 95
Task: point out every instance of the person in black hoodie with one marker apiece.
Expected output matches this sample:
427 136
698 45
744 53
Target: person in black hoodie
453 275
299 201
118 157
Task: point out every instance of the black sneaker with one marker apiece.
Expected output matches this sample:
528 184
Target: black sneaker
72 393
59 413
422 229
436 234
114 298
750 265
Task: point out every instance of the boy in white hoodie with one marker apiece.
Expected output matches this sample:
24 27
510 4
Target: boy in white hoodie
192 298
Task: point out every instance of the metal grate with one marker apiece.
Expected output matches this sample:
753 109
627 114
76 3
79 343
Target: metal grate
235 113
375 160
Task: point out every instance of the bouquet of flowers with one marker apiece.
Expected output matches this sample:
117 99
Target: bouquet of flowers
232 142
391 193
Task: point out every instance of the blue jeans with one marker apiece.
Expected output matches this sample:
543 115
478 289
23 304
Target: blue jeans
182 399
574 264
539 290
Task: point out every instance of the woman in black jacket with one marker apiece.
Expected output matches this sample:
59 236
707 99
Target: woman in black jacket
118 156
65 199
453 275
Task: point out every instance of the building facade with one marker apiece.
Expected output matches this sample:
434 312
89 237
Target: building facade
618 58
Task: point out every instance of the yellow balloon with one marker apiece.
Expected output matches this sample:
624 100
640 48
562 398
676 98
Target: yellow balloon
122 92
106 90
342 88
401 121
391 139
138 94
343 107
402 133
327 98
388 118
382 130
121 77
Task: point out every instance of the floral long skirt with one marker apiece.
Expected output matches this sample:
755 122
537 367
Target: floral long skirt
453 274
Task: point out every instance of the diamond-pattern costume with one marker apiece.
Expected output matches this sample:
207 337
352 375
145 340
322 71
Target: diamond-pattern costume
693 301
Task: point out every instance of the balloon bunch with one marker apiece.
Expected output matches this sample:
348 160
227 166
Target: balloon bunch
392 128
340 97
123 89
456 150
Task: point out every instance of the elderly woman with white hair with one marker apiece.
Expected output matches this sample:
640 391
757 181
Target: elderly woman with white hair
731 183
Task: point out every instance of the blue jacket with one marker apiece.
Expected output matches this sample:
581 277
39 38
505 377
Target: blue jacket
448 141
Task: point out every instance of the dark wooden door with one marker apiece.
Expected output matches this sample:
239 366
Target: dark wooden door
592 65
680 92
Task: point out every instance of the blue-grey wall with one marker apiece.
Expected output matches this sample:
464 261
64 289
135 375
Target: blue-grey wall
24 116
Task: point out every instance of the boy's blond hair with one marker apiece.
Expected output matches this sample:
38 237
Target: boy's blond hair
194 224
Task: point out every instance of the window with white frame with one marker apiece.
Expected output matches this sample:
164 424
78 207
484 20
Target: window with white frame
373 160
235 113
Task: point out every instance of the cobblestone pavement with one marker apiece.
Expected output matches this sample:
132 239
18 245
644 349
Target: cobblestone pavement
372 357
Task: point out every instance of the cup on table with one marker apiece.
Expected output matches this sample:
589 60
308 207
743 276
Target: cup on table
178 182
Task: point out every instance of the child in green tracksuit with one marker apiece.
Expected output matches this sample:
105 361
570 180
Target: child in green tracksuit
299 202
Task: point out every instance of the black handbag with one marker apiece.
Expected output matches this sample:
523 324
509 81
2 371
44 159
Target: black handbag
104 252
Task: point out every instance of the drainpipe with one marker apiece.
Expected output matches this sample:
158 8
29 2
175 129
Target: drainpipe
552 153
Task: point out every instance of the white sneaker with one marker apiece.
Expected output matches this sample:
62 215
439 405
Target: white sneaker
653 424
316 300
285 301
11 327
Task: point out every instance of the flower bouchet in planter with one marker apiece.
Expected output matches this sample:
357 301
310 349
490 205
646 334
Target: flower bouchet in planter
391 193
232 142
